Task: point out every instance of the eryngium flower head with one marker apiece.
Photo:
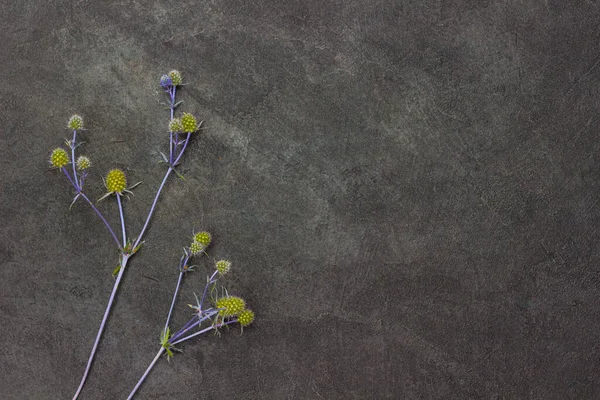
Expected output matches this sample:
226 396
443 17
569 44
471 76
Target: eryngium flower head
165 81
246 317
230 306
196 248
175 77
204 238
223 266
175 126
83 163
115 181
75 122
59 158
189 123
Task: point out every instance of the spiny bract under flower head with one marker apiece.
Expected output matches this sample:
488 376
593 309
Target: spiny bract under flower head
116 181
75 122
230 305
175 77
165 81
175 126
223 266
246 317
83 163
59 158
189 123
196 248
204 238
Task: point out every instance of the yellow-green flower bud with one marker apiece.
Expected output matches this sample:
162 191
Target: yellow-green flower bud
75 122
204 238
230 306
83 163
189 123
175 125
246 317
223 266
175 77
59 158
196 248
115 181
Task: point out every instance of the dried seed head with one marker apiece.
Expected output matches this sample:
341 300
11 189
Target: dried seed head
59 158
115 181
189 123
83 163
75 122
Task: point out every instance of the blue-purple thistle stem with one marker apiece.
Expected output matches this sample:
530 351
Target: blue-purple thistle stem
122 219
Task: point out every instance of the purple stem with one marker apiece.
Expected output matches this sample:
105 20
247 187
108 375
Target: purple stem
102 218
108 307
122 219
73 158
162 349
206 288
93 207
174 298
187 139
139 239
204 331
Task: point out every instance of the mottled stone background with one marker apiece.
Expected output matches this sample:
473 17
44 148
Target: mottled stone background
408 191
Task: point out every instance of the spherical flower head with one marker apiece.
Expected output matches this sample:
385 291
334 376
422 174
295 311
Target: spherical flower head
165 81
83 163
59 158
189 123
223 266
204 238
246 317
115 181
230 306
175 125
196 248
75 122
175 77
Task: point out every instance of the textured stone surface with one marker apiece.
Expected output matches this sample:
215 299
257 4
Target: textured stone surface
408 192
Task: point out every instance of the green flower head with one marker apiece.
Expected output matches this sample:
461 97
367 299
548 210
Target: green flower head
175 76
175 125
189 123
196 248
115 181
59 158
75 122
223 266
204 238
230 306
83 163
246 317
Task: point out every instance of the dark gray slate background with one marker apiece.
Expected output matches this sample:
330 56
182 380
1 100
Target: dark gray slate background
408 192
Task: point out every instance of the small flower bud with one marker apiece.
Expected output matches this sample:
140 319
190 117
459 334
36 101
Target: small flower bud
165 81
115 181
204 238
59 158
230 306
83 163
196 248
223 266
175 77
175 126
246 317
75 122
189 123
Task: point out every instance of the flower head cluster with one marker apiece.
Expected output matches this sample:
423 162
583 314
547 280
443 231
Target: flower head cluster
83 163
246 317
165 81
116 181
223 266
59 158
176 78
189 123
175 126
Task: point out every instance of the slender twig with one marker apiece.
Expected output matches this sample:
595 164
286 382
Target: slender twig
122 219
139 238
124 260
204 331
162 349
174 299
73 158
